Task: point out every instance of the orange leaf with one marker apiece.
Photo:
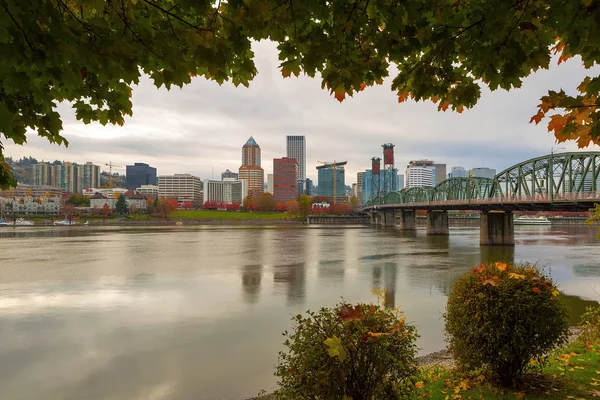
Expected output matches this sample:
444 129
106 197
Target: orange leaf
340 94
443 106
460 109
349 313
536 290
285 72
493 281
419 385
537 118
557 122
479 269
402 97
362 87
519 395
500 266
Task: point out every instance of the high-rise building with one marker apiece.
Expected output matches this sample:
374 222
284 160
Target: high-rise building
229 174
458 172
181 187
71 177
421 173
140 174
285 179
269 183
369 187
440 173
482 172
326 178
296 148
251 170
226 191
359 187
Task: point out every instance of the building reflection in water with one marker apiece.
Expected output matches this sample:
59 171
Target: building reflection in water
389 272
293 277
251 277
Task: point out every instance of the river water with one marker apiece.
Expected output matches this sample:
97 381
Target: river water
197 312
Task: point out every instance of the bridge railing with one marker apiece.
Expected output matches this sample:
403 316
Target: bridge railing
537 198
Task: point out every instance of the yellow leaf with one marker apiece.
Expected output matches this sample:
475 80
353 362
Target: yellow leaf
419 385
512 275
335 348
500 266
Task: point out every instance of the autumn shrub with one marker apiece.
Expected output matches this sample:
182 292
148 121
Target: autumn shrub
359 352
500 317
590 325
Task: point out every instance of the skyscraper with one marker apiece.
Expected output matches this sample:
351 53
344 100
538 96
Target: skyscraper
420 173
285 181
326 178
296 148
140 174
251 170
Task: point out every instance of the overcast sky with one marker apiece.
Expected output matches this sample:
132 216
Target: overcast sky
201 128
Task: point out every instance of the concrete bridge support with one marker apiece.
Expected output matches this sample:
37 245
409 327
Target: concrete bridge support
388 218
497 228
409 220
437 222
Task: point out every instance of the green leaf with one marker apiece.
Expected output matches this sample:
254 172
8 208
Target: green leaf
335 348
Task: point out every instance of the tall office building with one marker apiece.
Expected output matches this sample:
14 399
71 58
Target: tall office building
269 188
482 172
458 172
296 148
251 170
181 187
229 175
326 178
71 177
359 188
285 179
440 173
140 174
421 173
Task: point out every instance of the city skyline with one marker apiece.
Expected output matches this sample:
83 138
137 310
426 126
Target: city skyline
198 129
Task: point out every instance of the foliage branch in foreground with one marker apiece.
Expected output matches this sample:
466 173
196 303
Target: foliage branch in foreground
91 52
359 352
502 316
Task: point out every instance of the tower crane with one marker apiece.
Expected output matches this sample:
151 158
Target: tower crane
110 166
334 165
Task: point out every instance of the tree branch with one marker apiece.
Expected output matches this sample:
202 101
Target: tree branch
20 28
169 13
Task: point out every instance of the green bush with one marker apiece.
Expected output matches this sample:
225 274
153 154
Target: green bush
590 325
500 317
349 352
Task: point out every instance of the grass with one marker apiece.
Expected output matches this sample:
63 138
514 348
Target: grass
214 215
573 372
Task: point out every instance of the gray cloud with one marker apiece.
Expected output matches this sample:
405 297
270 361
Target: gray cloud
202 127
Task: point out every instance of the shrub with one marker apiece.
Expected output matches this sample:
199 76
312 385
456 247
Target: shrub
501 317
359 352
590 325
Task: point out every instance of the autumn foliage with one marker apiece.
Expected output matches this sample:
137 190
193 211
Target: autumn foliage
361 351
502 316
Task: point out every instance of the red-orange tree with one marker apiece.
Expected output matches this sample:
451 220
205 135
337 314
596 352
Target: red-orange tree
444 51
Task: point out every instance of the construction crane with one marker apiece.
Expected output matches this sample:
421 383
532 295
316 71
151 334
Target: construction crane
110 166
334 165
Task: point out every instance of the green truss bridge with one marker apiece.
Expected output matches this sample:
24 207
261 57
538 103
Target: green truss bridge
555 182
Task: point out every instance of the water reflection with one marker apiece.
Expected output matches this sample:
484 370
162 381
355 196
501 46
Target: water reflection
292 278
251 277
490 254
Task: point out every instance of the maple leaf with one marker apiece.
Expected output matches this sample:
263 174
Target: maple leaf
463 385
362 87
349 313
537 290
340 94
557 122
519 395
493 281
443 106
285 72
335 348
419 385
537 118
479 269
500 266
512 275
397 327
402 97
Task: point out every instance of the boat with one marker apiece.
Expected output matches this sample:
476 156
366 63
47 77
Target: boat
5 223
530 220
23 222
63 222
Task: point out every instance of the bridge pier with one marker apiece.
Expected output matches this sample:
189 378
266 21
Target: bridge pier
409 220
496 228
437 222
388 218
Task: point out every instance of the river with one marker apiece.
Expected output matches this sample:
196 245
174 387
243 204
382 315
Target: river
196 312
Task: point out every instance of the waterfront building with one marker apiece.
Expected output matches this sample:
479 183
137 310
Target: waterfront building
148 190
251 171
296 148
226 191
110 193
70 177
421 173
34 191
326 179
181 187
440 173
269 188
458 172
140 174
229 175
285 179
482 172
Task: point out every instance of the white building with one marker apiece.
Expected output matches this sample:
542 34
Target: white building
228 190
110 193
148 190
421 173
181 187
270 183
296 148
458 172
482 172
